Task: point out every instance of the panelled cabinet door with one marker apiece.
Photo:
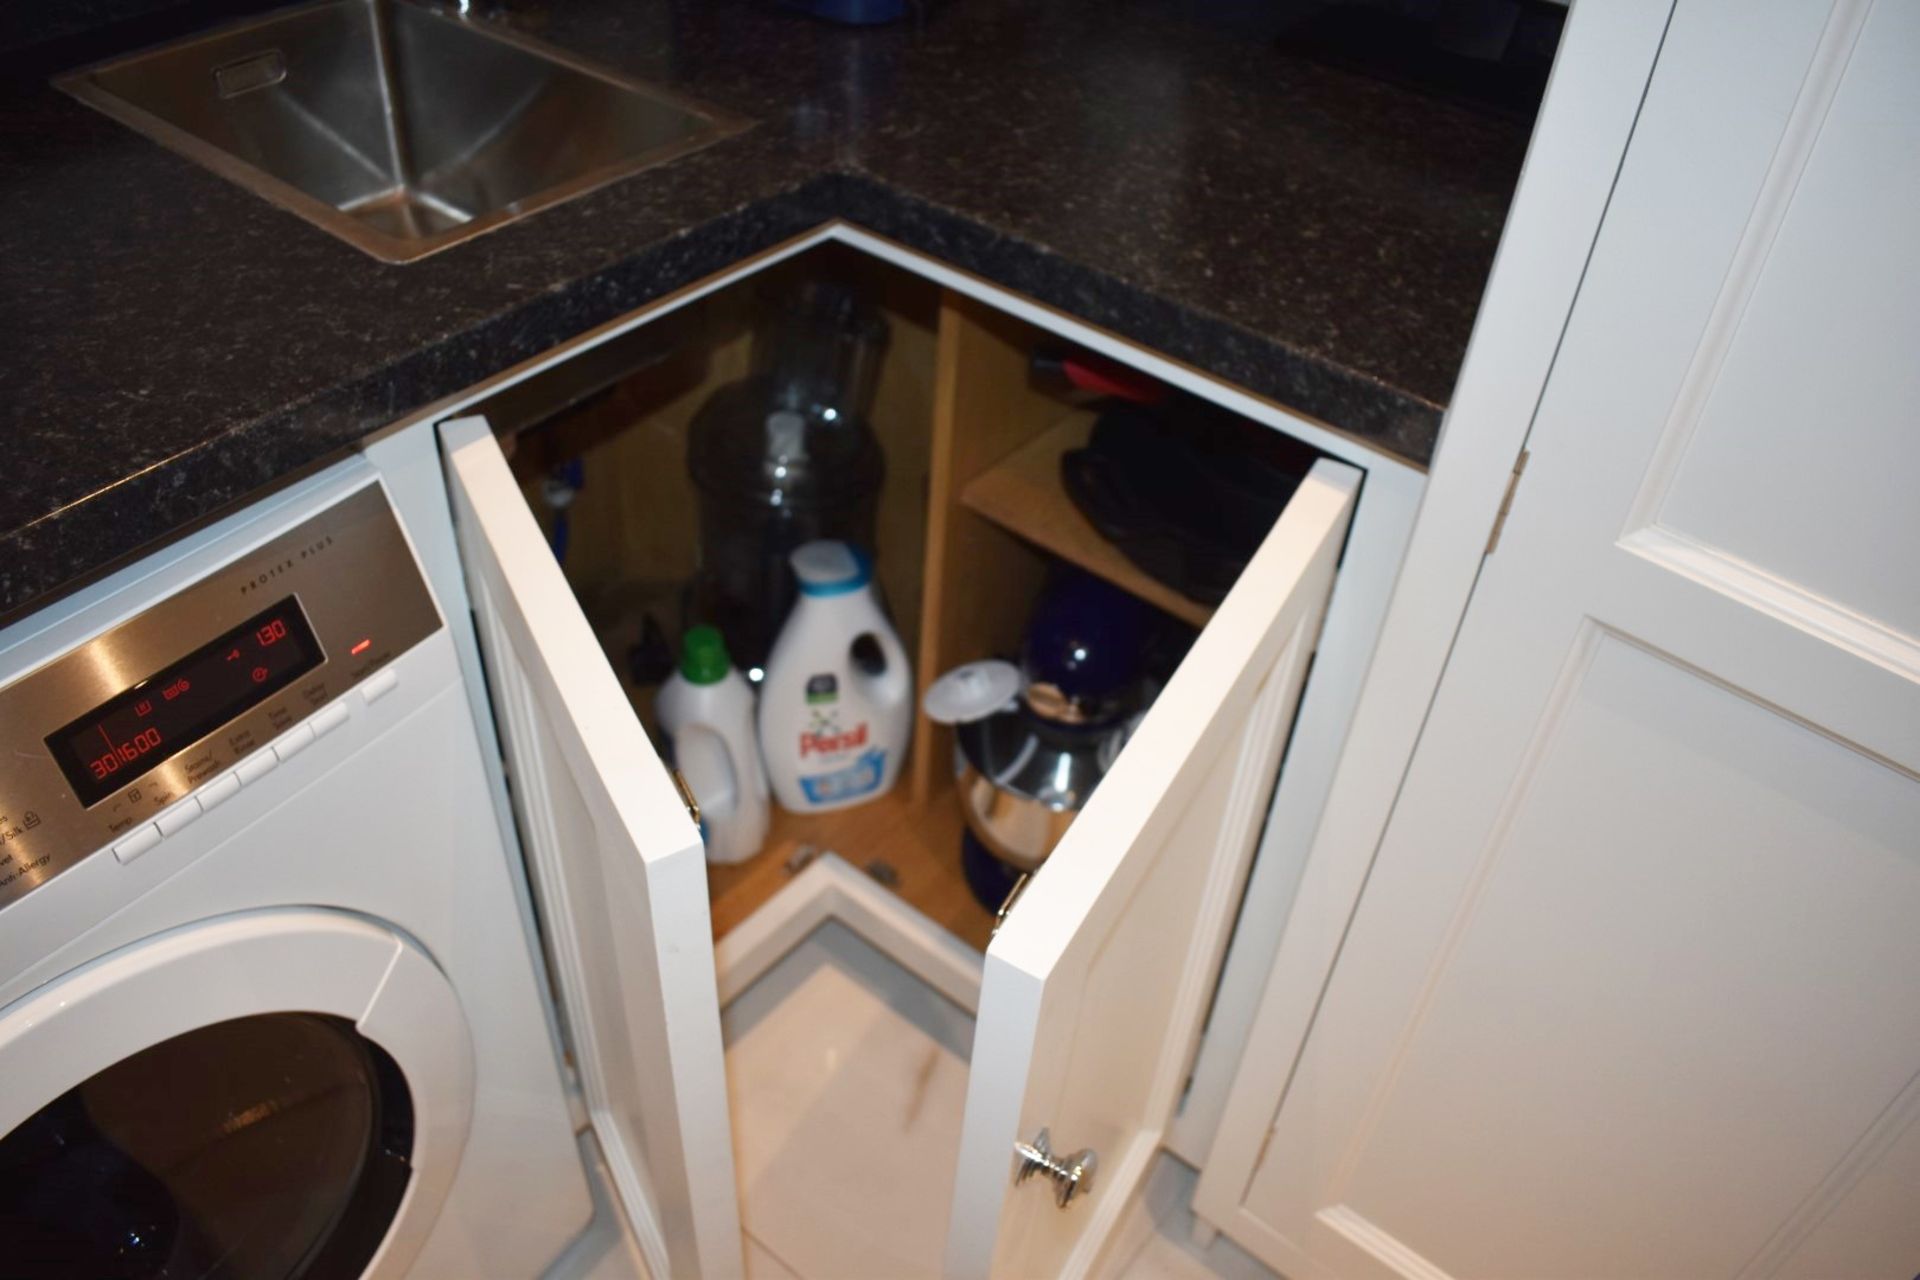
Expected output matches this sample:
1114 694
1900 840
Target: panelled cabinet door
1632 988
620 873
1096 985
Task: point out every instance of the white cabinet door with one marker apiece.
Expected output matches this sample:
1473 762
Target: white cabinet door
620 873
1632 988
1095 987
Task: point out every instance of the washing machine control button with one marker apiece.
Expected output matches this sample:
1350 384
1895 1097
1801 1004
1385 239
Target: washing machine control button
256 766
142 839
293 741
328 718
380 684
180 815
219 791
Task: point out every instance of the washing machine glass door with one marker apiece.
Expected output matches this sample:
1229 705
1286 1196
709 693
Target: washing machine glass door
267 1096
273 1145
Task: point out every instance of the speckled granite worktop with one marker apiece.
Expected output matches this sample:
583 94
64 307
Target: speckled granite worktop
174 343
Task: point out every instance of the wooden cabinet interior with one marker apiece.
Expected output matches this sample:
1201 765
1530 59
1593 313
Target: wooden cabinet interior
981 579
1022 492
972 516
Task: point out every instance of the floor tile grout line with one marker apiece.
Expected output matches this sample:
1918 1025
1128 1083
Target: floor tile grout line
771 1253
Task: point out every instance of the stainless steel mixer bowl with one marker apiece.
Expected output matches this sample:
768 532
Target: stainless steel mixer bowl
1022 781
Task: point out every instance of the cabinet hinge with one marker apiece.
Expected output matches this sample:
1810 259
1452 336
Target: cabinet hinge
1506 503
686 796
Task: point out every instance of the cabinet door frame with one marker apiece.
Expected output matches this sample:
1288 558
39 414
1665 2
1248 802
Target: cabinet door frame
1580 137
622 877
1095 986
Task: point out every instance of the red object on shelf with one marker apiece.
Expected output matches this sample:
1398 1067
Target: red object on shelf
1098 376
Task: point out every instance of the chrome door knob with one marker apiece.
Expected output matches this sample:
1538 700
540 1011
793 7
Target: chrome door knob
1072 1175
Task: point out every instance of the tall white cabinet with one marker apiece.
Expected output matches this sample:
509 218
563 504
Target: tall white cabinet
1631 989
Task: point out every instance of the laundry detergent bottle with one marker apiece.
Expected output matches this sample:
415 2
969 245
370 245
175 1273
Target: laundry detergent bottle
836 707
706 710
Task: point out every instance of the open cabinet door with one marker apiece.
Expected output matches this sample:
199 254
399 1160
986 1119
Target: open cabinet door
621 877
1097 984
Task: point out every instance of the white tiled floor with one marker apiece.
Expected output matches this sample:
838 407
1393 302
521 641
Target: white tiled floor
847 1077
762 1265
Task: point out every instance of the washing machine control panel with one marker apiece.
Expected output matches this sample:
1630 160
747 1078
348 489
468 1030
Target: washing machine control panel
129 736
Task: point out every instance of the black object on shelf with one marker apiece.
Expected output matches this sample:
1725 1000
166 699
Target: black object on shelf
1186 493
650 658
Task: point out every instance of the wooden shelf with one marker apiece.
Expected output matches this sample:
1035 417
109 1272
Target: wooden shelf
1023 494
920 842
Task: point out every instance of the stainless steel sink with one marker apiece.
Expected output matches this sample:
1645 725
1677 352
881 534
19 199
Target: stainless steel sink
398 128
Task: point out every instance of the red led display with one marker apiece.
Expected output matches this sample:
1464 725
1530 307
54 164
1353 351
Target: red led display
132 732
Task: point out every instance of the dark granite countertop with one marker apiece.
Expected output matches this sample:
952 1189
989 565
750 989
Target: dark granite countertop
174 343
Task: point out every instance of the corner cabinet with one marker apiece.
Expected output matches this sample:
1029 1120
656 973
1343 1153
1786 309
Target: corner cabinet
1088 1001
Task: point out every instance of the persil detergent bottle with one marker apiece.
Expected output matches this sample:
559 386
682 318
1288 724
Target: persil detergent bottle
836 707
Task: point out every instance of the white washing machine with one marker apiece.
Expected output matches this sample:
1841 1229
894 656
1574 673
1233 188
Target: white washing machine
268 1003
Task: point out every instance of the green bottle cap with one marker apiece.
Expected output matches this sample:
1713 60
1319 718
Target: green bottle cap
703 656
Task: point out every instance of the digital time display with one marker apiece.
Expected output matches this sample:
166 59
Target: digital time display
133 732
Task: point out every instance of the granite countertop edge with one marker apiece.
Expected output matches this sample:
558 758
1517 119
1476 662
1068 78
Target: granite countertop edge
95 534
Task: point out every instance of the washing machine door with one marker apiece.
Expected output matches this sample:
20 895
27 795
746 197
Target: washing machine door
266 1095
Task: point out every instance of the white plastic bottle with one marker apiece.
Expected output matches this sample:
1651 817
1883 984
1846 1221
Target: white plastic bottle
706 708
836 707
